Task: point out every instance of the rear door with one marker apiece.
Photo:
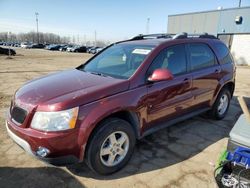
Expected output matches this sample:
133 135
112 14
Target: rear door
205 71
169 99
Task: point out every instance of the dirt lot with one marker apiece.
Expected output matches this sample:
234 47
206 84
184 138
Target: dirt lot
180 156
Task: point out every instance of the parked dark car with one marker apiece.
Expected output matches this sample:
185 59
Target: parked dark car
37 46
7 51
80 49
97 111
63 48
54 47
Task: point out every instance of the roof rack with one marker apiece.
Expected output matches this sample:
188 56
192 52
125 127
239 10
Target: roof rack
185 35
151 36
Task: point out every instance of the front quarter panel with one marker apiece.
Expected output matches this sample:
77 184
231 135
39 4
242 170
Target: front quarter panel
92 114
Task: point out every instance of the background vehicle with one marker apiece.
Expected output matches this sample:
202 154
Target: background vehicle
70 48
36 46
127 91
6 51
25 44
79 49
63 48
53 47
89 48
94 50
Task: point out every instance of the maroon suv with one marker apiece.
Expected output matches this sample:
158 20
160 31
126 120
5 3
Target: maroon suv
97 111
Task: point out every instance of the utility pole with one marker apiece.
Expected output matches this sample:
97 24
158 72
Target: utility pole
9 40
37 34
95 38
147 25
85 42
239 3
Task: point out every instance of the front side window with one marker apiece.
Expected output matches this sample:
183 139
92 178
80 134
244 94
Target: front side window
118 61
173 58
201 56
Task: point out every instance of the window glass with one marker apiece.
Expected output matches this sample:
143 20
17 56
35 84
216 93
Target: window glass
201 56
224 53
118 61
115 57
172 58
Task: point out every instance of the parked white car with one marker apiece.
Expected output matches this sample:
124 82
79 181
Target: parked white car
70 48
25 44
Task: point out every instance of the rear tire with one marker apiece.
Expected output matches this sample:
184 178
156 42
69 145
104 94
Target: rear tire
111 146
221 105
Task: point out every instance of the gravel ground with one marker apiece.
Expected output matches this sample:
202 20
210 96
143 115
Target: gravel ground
180 156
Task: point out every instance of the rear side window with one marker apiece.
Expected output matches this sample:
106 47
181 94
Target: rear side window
201 56
173 58
224 54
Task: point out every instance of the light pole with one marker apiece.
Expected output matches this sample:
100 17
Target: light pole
147 25
95 37
239 3
37 34
85 40
9 36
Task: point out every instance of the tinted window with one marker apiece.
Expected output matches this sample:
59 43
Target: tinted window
172 58
224 54
201 56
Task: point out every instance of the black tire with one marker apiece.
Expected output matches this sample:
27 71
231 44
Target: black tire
215 113
108 127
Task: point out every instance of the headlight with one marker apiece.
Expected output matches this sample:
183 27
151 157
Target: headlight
55 121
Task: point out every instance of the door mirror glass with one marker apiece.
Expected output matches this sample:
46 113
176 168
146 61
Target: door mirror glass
160 75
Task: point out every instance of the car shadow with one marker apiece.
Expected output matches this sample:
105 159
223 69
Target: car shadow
172 145
41 177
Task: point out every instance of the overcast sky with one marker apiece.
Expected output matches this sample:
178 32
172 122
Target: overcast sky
112 19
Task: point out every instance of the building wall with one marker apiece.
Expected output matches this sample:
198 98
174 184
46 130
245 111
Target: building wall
227 23
213 22
240 49
194 23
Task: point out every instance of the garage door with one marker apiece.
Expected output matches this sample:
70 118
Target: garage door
241 49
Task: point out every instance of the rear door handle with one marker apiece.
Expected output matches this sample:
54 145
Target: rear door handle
186 80
217 71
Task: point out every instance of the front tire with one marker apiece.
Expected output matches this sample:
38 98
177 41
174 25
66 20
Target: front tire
111 146
221 105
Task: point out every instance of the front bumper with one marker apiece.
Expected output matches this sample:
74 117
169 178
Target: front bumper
19 141
55 159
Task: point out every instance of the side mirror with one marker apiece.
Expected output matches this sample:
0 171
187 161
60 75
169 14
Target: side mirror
160 75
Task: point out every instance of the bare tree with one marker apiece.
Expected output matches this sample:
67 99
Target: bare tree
31 37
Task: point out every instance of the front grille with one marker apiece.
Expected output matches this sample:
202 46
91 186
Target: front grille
18 114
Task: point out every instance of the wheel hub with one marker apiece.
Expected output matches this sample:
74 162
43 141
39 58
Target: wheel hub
114 148
224 101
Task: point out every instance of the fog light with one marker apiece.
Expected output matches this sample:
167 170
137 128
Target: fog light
42 151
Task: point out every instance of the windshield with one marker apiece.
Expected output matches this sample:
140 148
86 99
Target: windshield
118 61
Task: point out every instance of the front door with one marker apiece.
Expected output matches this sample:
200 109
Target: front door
172 98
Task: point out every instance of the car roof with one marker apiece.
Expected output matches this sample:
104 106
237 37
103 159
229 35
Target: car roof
147 42
157 39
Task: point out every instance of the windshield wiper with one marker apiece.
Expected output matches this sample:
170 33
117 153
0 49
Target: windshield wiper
99 74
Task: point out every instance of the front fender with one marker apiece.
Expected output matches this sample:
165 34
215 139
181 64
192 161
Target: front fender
92 114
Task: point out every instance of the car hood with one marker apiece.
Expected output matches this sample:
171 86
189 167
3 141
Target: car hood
67 89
